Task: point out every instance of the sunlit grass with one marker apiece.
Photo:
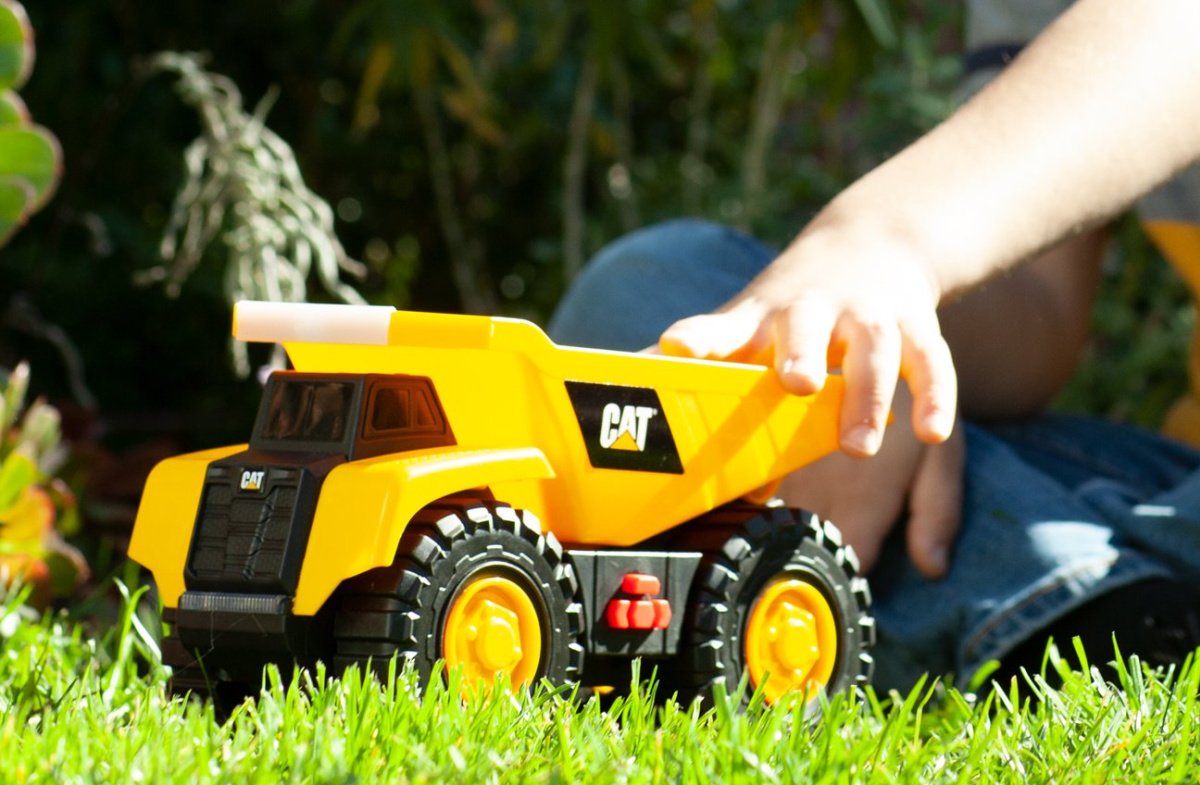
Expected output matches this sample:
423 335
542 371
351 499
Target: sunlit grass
80 710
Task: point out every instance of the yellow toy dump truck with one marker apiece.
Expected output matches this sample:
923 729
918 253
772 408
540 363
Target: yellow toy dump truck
459 488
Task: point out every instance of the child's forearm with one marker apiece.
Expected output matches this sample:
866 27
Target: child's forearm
1103 106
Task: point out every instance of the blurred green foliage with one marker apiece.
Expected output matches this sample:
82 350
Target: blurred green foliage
1136 364
475 154
36 506
30 158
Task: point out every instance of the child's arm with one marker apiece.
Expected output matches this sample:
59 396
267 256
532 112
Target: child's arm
1100 108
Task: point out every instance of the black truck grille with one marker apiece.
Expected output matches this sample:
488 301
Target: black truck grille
251 540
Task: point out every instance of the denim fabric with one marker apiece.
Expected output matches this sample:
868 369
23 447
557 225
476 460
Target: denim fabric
639 285
1057 510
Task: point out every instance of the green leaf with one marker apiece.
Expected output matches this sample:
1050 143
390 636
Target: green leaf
66 564
17 200
379 66
31 152
13 110
17 473
16 45
15 388
878 17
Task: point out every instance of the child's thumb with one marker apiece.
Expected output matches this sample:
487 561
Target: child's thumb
715 336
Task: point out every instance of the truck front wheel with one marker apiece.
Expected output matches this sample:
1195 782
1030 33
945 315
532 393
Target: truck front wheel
475 583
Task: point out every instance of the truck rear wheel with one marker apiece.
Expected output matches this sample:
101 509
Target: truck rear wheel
475 583
781 601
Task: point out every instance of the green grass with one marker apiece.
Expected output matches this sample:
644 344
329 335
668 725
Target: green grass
80 710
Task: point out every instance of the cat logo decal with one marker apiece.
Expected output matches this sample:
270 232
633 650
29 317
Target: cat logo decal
624 427
252 480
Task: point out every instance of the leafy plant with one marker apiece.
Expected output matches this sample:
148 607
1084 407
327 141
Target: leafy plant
30 156
32 502
244 188
35 507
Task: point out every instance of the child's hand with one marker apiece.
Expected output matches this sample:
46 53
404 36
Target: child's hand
835 302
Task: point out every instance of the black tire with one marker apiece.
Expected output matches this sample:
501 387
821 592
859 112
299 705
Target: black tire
748 547
400 610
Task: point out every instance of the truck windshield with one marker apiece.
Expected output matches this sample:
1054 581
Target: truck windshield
307 411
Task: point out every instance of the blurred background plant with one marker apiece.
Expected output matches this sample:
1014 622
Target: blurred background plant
37 508
473 155
30 157
244 187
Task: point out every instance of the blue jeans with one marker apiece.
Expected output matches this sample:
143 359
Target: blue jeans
1057 510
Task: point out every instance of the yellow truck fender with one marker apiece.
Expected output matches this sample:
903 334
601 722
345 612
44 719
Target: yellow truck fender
365 506
166 517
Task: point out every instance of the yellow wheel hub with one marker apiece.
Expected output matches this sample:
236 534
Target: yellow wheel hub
492 629
791 639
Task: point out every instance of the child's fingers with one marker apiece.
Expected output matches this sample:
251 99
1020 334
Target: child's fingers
935 507
929 369
802 333
871 366
805 334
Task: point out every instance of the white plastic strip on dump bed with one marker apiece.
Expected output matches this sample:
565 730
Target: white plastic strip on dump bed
311 323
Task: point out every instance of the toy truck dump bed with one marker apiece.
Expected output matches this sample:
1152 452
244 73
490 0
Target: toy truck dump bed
457 452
